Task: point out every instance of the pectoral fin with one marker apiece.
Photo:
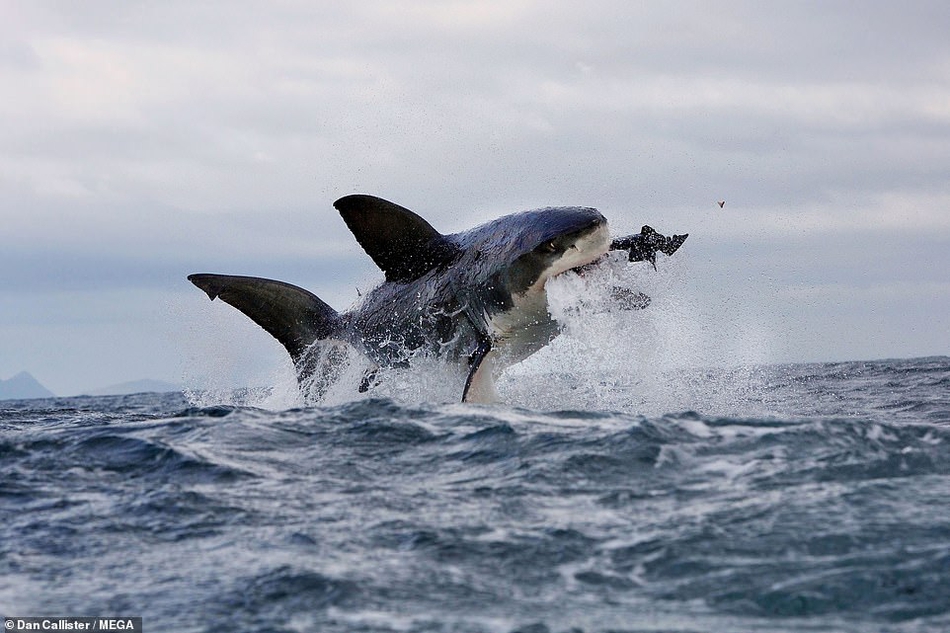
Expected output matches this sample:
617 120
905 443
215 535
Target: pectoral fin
480 384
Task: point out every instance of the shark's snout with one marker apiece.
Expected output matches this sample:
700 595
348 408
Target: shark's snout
584 246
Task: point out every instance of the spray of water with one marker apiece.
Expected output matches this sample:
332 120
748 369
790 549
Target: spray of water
677 354
232 362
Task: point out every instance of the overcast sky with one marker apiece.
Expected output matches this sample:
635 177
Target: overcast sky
142 141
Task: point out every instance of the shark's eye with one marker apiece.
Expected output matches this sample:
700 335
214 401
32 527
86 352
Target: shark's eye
548 247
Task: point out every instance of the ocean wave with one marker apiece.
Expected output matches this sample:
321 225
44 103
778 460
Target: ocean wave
816 502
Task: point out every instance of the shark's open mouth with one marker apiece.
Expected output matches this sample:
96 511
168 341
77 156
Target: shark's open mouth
590 245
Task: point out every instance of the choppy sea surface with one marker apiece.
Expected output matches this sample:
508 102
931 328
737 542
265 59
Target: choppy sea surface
778 498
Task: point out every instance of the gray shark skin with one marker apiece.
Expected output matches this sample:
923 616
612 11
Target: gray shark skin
476 299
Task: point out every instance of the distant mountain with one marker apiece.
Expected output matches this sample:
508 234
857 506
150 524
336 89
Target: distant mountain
23 386
136 386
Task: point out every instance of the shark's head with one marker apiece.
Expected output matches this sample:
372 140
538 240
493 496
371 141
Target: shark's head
505 266
553 241
524 250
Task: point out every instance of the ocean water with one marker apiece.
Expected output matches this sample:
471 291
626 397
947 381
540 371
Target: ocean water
764 498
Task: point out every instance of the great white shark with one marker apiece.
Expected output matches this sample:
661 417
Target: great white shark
477 299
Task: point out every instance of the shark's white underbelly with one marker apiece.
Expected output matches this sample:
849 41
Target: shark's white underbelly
524 329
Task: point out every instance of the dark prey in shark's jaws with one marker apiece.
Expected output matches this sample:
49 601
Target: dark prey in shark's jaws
476 299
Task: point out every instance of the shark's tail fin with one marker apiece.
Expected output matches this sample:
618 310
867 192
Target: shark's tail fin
295 317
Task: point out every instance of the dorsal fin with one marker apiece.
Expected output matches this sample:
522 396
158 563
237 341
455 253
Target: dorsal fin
401 243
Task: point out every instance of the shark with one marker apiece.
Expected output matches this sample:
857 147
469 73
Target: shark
475 299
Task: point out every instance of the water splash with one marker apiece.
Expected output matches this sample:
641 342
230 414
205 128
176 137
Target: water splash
677 354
